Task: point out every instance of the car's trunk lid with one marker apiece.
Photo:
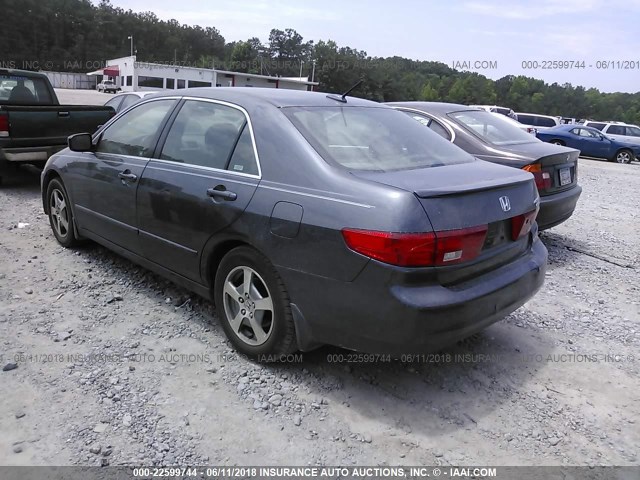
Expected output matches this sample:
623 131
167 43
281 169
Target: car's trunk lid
468 195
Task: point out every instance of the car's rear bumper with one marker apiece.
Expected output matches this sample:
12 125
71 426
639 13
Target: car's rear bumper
372 314
29 154
556 208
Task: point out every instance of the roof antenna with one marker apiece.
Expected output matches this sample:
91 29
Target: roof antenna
343 97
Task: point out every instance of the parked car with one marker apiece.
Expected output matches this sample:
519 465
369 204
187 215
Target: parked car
517 124
309 219
623 132
108 86
591 143
541 122
506 111
494 138
33 124
122 101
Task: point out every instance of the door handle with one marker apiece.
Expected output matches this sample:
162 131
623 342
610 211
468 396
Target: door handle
128 176
221 192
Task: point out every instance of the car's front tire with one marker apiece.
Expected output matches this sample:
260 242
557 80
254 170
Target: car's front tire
253 305
60 214
623 156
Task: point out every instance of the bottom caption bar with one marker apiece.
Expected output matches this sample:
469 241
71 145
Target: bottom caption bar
315 472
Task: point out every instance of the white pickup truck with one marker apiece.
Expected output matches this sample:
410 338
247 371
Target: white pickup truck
108 86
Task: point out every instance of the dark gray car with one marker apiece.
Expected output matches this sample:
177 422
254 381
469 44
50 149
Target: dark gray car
307 218
489 138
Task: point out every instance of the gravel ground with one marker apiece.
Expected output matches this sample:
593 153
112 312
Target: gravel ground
115 365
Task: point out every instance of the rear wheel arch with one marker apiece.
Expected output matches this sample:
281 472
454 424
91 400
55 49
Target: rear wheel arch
557 141
215 256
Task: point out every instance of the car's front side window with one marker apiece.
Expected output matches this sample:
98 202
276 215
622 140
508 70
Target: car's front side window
211 135
135 133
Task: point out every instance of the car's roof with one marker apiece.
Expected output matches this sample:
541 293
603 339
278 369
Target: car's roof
537 115
434 107
278 97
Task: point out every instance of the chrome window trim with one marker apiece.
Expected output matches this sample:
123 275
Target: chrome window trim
445 125
249 124
199 167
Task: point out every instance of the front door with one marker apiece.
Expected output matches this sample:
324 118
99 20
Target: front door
203 180
105 193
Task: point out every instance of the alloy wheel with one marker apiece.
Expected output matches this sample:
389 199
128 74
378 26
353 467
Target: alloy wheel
59 213
623 157
248 305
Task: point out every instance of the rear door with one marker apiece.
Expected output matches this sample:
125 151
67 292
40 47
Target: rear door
204 178
105 182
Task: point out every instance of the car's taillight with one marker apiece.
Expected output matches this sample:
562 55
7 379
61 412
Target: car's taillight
418 249
4 125
543 179
521 225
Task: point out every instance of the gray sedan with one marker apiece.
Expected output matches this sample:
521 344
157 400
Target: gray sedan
307 218
493 138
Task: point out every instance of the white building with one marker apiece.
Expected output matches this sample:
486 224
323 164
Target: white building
131 75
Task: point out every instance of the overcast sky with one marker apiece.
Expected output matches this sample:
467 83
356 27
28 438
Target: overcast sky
501 31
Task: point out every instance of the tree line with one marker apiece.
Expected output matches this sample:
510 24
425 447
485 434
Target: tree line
74 35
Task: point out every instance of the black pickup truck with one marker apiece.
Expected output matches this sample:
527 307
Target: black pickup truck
33 124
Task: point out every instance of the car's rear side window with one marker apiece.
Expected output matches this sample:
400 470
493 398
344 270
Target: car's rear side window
616 130
633 131
211 135
128 101
545 122
373 138
21 90
599 126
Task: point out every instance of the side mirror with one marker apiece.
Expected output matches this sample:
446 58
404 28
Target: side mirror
80 142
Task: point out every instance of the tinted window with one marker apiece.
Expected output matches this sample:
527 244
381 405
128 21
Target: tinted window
633 131
526 119
366 138
194 83
128 101
544 122
439 129
19 90
205 134
599 126
616 130
135 132
114 103
180 83
170 83
492 128
154 82
243 158
432 124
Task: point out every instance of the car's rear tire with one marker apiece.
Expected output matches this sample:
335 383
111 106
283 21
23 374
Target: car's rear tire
557 142
60 214
253 305
623 156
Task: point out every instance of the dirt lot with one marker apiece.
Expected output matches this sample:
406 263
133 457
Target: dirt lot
116 365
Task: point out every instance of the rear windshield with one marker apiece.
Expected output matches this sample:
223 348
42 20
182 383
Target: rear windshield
19 90
372 138
494 129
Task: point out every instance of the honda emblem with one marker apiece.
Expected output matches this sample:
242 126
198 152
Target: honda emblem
505 203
